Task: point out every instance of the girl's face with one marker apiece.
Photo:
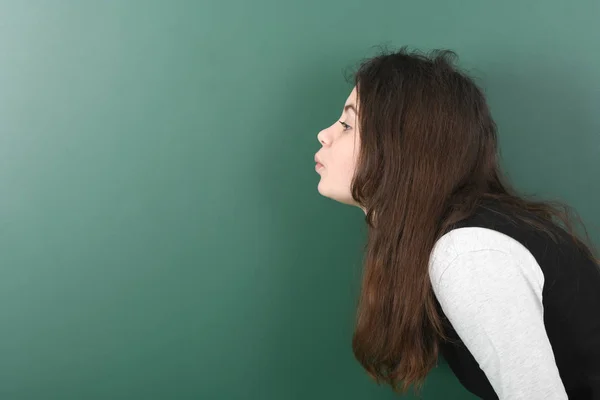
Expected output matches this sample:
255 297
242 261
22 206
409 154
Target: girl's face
336 160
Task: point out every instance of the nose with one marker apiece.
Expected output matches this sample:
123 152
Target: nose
321 137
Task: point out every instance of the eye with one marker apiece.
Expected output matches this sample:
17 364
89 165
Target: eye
345 125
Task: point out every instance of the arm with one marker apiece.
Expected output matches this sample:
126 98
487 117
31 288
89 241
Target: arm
495 306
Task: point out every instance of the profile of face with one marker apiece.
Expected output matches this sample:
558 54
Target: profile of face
336 160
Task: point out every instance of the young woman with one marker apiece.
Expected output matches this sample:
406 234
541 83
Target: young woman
456 262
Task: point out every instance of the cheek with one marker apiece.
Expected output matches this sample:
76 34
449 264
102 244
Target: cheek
349 164
344 158
351 157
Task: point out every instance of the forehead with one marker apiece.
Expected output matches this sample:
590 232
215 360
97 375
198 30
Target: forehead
352 97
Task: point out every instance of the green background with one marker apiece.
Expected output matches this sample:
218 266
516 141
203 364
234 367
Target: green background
161 234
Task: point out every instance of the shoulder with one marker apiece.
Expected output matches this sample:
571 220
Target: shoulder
479 250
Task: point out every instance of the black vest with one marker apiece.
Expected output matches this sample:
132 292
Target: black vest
571 300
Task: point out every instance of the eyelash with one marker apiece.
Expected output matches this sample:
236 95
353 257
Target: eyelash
345 125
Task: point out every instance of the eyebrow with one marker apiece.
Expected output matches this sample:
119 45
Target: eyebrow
350 107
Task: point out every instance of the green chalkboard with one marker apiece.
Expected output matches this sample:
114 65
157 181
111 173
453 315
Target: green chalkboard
161 233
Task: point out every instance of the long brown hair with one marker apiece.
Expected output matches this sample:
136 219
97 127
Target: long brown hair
428 157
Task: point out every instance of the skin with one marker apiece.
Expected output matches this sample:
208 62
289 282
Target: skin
340 145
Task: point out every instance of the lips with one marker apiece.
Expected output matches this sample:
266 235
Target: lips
318 164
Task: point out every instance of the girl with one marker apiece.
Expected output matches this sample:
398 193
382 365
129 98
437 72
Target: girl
456 262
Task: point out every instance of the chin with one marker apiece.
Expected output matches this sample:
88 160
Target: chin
322 190
343 198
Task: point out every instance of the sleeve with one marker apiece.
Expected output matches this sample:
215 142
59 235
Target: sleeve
497 311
